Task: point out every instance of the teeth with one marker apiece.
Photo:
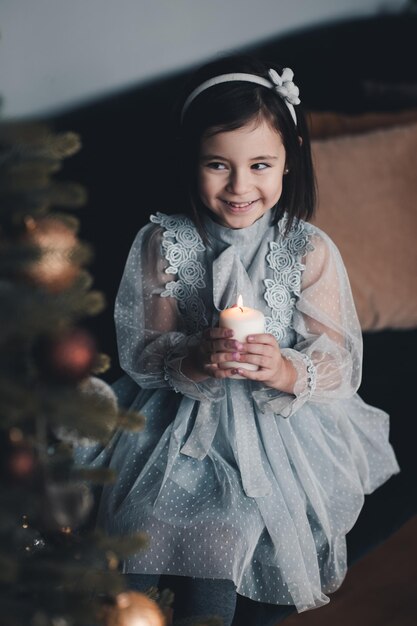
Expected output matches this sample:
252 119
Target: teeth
240 205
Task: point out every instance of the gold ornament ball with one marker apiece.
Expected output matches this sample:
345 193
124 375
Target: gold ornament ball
133 609
55 270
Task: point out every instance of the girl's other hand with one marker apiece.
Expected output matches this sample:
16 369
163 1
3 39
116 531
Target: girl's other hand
219 346
274 370
216 347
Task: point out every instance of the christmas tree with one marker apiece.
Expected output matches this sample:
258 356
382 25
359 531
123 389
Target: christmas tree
54 569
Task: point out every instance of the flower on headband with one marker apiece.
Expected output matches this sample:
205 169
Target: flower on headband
285 86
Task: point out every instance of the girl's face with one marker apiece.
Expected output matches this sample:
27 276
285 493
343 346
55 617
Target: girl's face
240 173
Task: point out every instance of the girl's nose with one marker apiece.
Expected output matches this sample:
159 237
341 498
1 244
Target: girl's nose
239 182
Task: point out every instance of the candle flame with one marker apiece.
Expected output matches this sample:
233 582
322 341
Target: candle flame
240 301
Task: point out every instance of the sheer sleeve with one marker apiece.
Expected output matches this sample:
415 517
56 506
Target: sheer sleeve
151 333
327 355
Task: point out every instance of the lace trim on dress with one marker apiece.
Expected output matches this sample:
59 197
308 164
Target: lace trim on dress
284 288
307 374
311 372
181 243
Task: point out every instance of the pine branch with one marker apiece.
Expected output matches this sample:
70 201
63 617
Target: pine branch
121 546
37 201
50 573
23 141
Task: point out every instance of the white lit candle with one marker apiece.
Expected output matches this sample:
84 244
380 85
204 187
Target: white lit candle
243 321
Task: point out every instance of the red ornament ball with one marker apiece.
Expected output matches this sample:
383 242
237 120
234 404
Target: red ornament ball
68 357
21 462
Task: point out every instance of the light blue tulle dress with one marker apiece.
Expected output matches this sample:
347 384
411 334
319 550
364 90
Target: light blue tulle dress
232 479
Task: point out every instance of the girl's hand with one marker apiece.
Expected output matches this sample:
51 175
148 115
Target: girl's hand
218 347
275 371
209 357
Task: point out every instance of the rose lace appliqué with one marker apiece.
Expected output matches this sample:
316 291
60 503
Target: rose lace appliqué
282 291
181 243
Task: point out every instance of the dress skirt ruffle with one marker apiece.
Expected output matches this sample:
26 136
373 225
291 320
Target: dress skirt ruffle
267 505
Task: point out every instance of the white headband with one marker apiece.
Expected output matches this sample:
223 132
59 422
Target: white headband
283 85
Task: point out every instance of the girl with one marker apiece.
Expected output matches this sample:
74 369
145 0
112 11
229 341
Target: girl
246 484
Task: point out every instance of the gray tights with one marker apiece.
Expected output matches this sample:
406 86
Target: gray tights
193 597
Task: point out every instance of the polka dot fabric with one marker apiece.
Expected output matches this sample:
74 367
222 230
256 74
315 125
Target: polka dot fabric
232 479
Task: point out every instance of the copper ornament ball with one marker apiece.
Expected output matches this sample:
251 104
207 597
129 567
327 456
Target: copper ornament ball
67 357
55 270
21 462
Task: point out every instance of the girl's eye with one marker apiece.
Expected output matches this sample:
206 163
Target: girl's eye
214 165
260 166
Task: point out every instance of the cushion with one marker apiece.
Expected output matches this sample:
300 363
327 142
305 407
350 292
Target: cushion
324 124
367 187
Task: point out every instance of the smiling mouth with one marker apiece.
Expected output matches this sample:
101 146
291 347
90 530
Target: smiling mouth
239 205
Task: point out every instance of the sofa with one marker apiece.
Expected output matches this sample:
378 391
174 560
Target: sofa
359 86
